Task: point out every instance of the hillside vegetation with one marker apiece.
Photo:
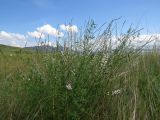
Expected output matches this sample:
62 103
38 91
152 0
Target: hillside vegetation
88 81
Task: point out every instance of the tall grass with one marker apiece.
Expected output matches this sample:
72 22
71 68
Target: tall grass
95 78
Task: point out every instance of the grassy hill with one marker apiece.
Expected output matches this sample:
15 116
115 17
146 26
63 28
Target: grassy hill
5 48
13 50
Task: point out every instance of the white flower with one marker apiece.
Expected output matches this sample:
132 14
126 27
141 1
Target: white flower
104 60
11 55
68 86
116 92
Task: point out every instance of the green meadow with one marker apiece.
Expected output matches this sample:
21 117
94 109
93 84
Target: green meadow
87 81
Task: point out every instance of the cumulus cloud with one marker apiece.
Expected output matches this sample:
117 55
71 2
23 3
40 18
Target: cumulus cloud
13 39
150 39
48 29
69 28
12 36
45 29
19 40
36 34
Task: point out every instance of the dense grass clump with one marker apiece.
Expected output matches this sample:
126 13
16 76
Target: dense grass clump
98 76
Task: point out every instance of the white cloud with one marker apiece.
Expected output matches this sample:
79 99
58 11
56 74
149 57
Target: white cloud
69 28
36 34
13 39
19 40
13 36
48 29
150 39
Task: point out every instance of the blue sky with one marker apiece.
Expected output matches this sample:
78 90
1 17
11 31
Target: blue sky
23 16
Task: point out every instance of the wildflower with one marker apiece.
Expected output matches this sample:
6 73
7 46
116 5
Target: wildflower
73 71
116 92
10 55
104 61
68 86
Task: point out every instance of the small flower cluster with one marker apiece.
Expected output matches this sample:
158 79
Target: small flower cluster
104 61
68 86
116 92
